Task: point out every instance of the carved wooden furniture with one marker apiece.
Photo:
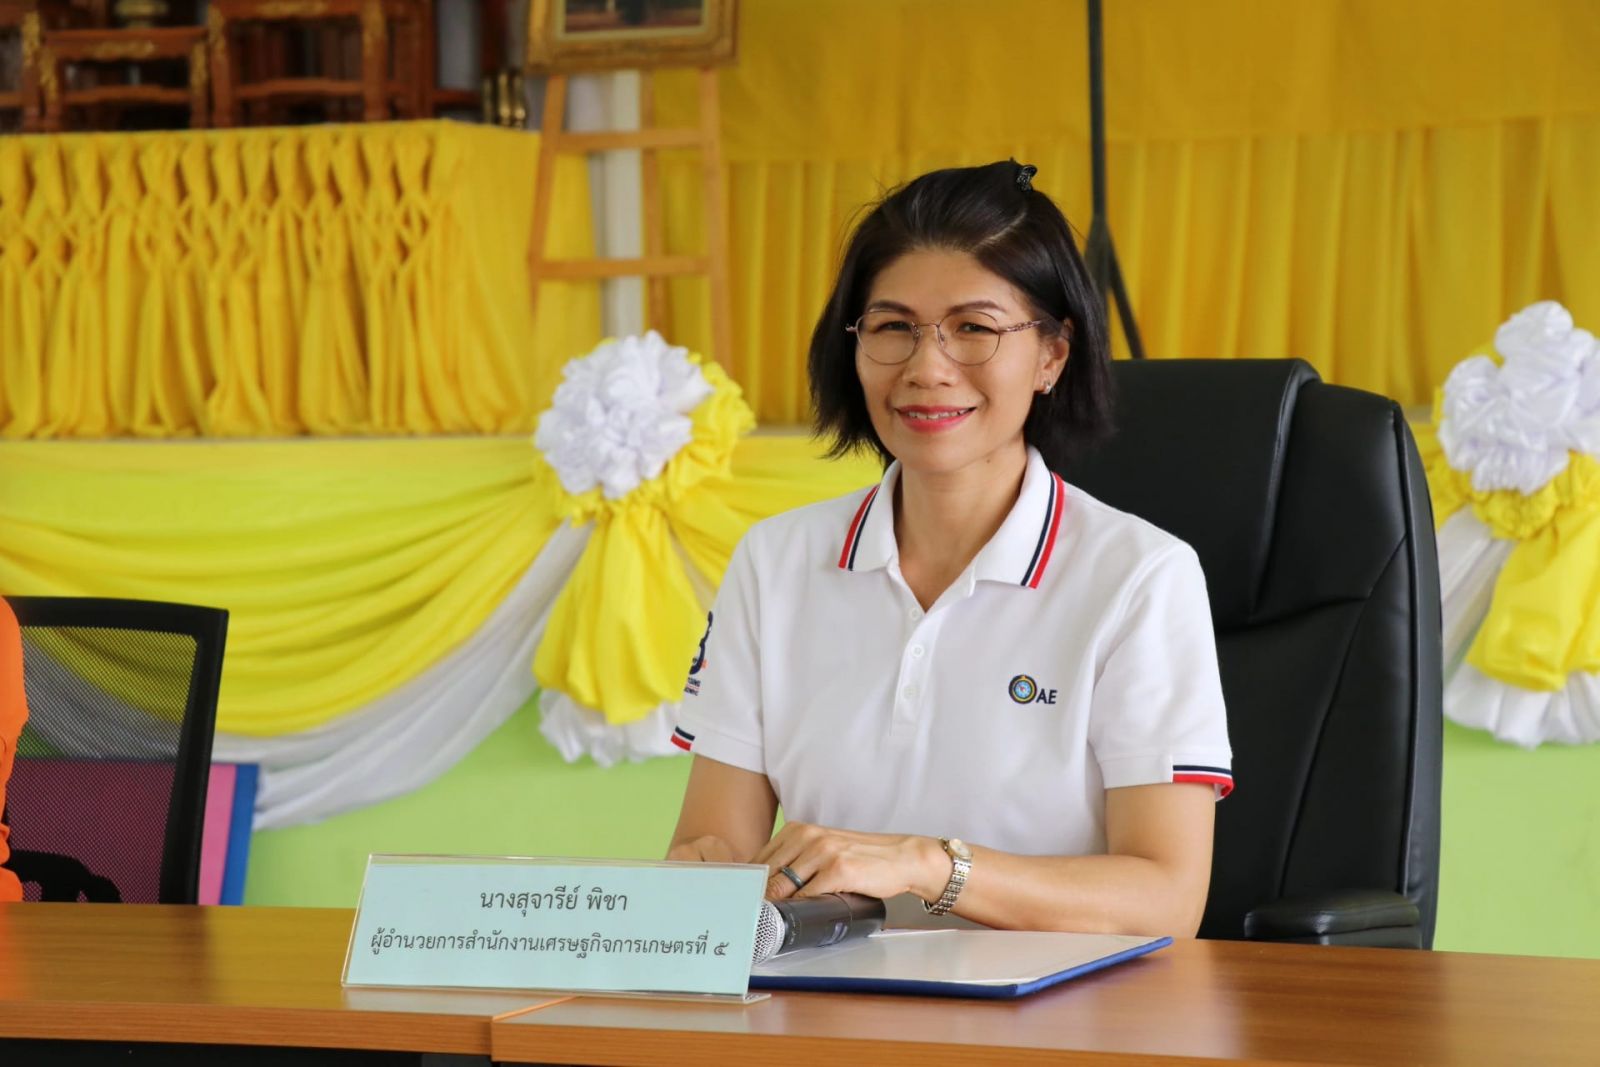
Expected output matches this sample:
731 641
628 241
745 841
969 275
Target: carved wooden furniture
63 51
26 20
19 19
371 60
394 67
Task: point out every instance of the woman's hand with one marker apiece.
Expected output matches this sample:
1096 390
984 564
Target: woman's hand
847 861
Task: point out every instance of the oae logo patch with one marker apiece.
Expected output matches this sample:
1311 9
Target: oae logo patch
1024 690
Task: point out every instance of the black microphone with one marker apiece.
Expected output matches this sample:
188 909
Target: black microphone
813 922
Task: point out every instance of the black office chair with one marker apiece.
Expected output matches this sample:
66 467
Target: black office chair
107 794
1309 510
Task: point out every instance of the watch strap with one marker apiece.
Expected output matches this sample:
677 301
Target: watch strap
959 869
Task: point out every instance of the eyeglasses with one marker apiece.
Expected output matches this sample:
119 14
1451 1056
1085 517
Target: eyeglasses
968 337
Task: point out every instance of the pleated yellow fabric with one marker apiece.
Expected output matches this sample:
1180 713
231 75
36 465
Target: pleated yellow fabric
351 566
348 566
1367 185
621 632
367 279
1541 625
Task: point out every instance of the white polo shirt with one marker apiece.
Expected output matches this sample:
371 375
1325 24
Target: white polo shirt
1074 655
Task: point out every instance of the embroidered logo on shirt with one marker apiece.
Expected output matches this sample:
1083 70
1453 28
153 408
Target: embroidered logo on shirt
1024 690
683 739
698 664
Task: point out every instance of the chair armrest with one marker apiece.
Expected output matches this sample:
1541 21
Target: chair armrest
1372 917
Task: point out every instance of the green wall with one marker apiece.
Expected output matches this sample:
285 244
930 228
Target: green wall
512 795
1520 870
1521 857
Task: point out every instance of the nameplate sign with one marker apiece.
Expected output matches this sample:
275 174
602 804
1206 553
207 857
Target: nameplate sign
477 922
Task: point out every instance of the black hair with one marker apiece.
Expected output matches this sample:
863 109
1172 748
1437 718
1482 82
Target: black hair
1013 230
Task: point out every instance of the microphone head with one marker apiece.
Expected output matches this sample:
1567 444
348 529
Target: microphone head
814 922
770 933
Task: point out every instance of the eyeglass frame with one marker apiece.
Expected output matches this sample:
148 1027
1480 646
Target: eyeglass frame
938 337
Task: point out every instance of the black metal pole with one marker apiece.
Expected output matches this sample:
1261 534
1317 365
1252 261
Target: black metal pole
1101 251
1097 109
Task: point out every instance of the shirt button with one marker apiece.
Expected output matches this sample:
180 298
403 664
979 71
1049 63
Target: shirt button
909 692
917 651
915 613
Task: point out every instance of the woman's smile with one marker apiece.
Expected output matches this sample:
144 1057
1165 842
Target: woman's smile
929 418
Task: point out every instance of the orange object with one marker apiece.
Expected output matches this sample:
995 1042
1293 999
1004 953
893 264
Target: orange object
13 713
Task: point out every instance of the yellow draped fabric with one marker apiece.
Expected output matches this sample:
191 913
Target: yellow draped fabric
263 282
1368 185
1541 625
620 636
350 566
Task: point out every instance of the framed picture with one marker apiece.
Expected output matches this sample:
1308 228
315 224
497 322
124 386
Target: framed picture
566 36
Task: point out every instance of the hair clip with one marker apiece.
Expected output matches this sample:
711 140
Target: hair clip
1025 175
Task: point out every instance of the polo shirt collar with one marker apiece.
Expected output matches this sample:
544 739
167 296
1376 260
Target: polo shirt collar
1018 554
869 542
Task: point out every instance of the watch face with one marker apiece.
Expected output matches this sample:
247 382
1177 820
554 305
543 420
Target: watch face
958 848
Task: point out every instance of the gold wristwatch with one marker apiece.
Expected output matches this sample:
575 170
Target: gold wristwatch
960 866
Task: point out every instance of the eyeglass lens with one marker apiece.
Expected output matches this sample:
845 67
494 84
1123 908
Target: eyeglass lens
890 337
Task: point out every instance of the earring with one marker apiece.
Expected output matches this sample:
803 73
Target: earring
1048 385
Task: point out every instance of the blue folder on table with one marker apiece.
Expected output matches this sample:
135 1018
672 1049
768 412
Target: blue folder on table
995 964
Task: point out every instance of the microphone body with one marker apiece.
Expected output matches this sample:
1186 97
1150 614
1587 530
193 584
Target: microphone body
814 922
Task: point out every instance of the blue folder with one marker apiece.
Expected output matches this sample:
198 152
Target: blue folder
991 964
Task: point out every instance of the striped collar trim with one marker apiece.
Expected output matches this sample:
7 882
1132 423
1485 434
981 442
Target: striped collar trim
1019 553
852 540
1048 531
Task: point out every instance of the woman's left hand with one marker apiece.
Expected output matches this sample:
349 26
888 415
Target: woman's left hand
847 861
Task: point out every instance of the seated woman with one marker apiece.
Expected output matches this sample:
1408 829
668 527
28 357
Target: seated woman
971 650
13 713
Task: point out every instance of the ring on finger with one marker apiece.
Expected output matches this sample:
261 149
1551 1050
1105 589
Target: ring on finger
788 872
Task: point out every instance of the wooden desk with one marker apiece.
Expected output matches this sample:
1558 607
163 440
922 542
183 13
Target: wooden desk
1195 1002
270 977
217 975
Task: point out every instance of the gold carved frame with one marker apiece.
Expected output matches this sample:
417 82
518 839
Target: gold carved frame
552 51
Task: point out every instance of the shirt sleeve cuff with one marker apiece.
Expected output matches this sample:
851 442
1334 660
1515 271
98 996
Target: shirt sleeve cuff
1210 768
712 744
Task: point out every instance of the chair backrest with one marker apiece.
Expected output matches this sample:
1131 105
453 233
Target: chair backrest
392 34
70 63
111 770
1308 508
21 23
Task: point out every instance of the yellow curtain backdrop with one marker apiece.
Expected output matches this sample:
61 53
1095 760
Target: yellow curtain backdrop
264 282
349 566
1367 185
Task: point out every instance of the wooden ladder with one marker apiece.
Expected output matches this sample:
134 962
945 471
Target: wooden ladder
655 266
